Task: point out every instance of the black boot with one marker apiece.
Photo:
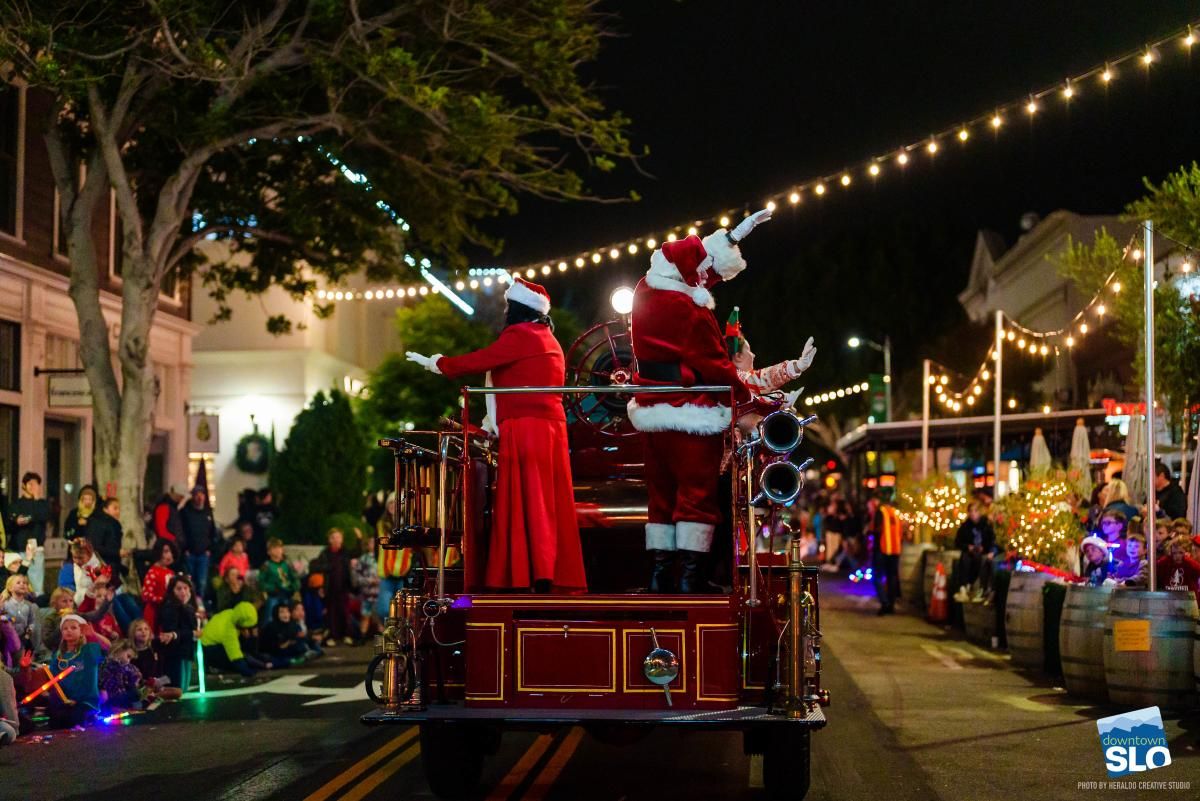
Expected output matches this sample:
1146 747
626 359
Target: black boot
660 574
690 579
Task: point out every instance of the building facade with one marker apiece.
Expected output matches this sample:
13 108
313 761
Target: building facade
46 419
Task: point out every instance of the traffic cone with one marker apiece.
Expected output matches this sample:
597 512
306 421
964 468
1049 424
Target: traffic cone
939 609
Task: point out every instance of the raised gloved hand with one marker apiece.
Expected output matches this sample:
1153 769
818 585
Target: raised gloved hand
747 225
790 398
428 362
798 366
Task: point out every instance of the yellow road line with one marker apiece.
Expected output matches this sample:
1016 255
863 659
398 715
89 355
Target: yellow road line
520 770
541 785
368 785
354 771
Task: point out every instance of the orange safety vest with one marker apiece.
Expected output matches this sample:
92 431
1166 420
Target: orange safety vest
889 532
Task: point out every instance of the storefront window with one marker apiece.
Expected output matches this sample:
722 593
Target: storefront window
8 450
10 131
10 356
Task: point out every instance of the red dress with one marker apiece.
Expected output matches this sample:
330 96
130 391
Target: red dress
154 591
535 534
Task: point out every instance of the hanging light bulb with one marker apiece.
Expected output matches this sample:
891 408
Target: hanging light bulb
963 135
997 120
1070 342
1012 403
1011 336
1083 328
691 230
1116 287
1136 254
873 170
932 147
794 198
724 221
970 400
1107 75
819 189
986 375
902 159
932 379
562 266
1186 266
770 205
1045 350
945 380
1068 91
614 253
1031 106
651 243
1046 409
1021 343
1101 309
1190 39
978 390
579 261
1148 58
633 248
671 237
845 179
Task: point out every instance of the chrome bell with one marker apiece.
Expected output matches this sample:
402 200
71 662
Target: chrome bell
660 666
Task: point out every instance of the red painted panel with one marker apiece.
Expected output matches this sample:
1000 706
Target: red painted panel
718 649
566 658
486 663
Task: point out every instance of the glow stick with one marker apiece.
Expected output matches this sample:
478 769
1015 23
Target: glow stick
199 667
55 680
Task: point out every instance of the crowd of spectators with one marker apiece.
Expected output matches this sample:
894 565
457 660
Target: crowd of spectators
118 628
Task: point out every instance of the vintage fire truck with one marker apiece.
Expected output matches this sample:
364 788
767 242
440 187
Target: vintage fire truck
466 663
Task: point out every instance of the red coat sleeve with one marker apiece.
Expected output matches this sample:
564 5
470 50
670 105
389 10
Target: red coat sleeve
707 357
161 515
506 349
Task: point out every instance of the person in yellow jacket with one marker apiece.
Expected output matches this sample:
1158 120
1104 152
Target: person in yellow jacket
221 639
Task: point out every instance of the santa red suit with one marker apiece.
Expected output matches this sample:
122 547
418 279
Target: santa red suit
677 341
535 535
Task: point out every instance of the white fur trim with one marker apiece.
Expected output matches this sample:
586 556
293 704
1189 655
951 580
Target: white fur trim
660 536
664 275
433 367
694 536
523 294
727 259
690 418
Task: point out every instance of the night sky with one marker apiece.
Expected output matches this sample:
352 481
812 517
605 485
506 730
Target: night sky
735 100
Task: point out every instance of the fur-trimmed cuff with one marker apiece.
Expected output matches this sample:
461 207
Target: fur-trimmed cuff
727 258
694 536
433 363
660 537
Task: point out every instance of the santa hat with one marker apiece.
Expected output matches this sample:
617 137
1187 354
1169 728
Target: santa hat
680 266
529 294
1094 540
72 616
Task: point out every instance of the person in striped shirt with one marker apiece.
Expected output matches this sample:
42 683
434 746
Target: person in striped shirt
773 378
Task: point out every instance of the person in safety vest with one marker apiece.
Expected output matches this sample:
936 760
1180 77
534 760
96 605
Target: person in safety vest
885 526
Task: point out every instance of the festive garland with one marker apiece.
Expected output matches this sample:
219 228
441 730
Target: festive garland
253 465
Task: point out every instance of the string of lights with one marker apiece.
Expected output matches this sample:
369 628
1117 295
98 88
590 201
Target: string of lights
834 394
1069 90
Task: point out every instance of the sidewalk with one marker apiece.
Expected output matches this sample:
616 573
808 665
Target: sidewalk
950 704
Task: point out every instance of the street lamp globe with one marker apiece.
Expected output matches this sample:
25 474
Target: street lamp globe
854 342
622 300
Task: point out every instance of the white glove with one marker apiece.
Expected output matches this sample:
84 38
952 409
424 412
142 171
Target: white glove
790 398
489 425
428 362
798 366
747 225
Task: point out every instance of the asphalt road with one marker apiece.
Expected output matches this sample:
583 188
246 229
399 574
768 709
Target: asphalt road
917 714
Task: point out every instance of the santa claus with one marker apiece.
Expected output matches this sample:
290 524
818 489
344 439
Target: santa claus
677 341
535 536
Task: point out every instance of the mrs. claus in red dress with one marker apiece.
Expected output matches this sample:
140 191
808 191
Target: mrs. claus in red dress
535 535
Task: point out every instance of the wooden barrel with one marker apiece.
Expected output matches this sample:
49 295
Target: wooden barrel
979 623
1163 675
1023 619
912 571
946 559
1081 640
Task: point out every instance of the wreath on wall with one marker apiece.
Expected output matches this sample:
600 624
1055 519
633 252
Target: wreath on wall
253 454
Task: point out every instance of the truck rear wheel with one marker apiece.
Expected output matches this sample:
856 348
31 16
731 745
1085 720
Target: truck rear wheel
452 758
786 765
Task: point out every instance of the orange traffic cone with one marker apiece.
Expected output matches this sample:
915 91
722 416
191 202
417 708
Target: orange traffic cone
939 609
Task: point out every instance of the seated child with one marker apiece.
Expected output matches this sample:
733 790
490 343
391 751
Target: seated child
1095 565
276 578
1177 571
235 557
311 647
101 592
280 639
75 700
1132 563
62 603
146 656
120 681
20 626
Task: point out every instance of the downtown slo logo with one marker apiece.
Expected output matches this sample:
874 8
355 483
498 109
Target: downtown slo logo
1133 742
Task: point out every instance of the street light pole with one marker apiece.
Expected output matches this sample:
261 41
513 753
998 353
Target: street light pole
1151 500
925 420
999 403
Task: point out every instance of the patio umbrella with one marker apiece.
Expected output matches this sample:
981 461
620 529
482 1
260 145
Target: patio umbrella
1039 453
1079 464
1135 459
1193 493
